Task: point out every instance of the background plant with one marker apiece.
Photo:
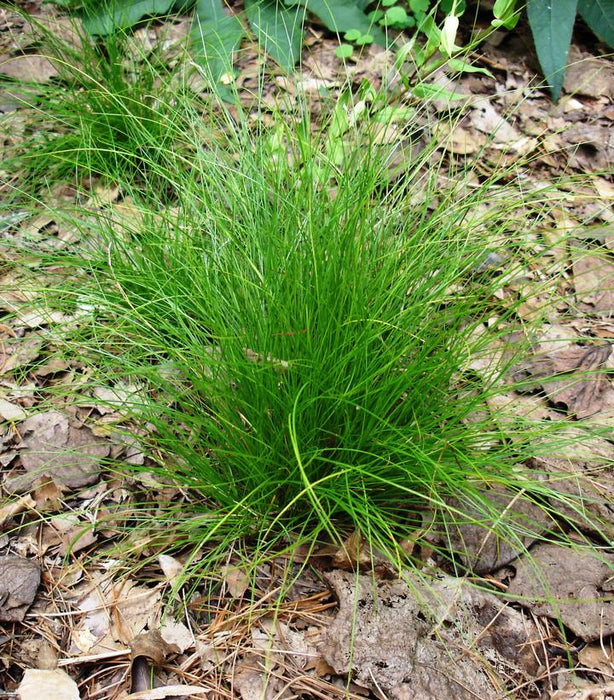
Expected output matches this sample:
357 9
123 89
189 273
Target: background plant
552 25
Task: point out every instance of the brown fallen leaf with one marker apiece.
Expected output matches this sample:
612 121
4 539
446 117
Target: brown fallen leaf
11 411
169 691
582 689
236 580
149 649
599 656
483 549
559 582
594 282
581 394
28 67
8 510
588 75
21 352
51 446
395 637
19 582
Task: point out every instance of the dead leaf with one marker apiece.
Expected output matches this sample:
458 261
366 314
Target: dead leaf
8 510
236 580
590 487
396 637
171 567
483 550
169 691
587 75
594 282
114 614
133 608
594 146
51 685
19 582
21 352
28 67
11 411
148 649
252 681
561 583
580 395
582 689
51 446
598 656
177 635
152 646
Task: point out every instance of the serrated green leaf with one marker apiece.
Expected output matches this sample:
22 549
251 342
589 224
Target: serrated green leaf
342 15
121 14
216 35
599 15
279 29
551 25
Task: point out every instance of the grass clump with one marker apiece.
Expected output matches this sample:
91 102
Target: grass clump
301 328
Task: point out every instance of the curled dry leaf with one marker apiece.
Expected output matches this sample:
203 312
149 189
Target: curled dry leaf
148 649
17 506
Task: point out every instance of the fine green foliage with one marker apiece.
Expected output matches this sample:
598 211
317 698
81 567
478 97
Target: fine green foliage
300 329
552 26
128 119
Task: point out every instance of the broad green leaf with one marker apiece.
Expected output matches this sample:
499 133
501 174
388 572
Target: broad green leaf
216 36
364 40
108 17
419 5
599 15
279 29
505 14
552 24
352 35
344 51
342 15
502 8
395 15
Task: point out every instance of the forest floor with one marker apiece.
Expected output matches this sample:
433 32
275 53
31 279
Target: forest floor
99 629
